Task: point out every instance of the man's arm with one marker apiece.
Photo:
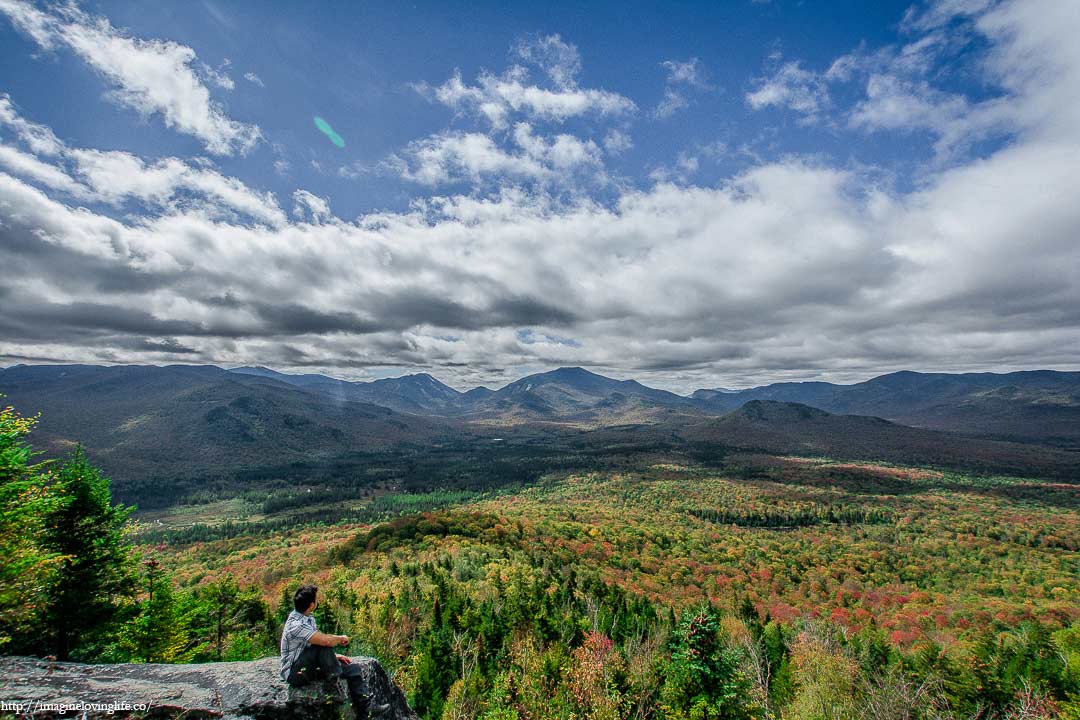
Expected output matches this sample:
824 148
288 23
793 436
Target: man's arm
324 640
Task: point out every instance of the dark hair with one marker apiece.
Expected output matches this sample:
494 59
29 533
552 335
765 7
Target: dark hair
304 597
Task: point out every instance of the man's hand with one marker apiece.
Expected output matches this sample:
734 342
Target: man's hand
326 640
344 660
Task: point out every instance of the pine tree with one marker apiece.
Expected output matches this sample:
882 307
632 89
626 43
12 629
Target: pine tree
87 530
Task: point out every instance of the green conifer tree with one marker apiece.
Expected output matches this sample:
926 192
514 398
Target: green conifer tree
435 671
26 568
160 631
86 529
703 678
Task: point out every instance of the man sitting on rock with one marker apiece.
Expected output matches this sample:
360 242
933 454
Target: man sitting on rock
307 655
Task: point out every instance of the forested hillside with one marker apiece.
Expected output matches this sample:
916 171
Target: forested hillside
769 587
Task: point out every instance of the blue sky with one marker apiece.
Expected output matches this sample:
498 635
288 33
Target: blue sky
358 67
693 194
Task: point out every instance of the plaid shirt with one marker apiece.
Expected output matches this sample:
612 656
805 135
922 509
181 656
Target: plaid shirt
294 638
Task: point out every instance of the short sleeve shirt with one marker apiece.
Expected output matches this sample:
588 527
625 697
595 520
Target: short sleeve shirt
294 638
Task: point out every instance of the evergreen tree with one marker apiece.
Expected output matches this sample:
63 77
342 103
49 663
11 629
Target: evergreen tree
703 678
236 624
223 603
86 529
435 671
159 633
26 568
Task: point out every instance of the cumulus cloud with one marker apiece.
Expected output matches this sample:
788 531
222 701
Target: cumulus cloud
456 156
497 98
30 167
899 91
793 87
152 77
897 81
311 206
115 177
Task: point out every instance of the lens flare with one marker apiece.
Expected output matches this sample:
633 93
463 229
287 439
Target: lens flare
328 131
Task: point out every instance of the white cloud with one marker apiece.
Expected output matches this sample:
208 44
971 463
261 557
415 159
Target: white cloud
219 76
690 72
310 206
253 78
617 142
672 102
899 94
682 77
40 139
497 97
153 77
893 103
115 177
451 157
27 166
561 61
686 165
789 266
794 87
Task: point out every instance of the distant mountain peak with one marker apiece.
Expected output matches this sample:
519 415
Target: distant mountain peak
256 370
778 411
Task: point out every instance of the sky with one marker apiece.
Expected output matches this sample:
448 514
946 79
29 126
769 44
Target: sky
694 195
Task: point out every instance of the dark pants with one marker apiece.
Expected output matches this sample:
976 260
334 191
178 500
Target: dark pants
319 663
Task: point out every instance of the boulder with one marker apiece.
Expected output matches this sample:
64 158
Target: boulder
35 688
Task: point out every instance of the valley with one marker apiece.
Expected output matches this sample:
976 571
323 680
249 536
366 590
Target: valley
546 548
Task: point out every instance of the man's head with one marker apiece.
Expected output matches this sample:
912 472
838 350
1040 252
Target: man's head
304 599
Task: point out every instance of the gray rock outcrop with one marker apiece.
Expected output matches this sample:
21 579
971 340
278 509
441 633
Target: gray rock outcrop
40 689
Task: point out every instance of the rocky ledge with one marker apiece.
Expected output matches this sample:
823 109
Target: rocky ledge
32 688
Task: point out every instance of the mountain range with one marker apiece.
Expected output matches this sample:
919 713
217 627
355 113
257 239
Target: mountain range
570 394
151 421
1033 406
1040 405
147 422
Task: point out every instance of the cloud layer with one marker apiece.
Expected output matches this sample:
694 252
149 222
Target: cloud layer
794 267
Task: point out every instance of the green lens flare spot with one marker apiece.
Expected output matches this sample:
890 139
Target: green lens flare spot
325 129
